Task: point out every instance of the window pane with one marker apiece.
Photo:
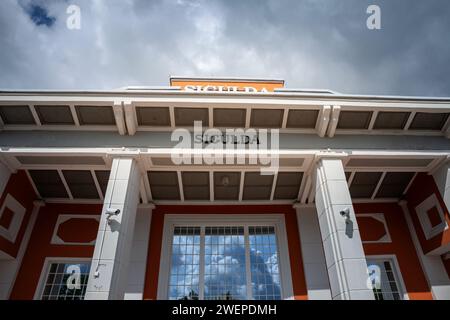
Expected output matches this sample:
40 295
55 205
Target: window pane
265 275
384 283
66 281
185 264
219 263
225 276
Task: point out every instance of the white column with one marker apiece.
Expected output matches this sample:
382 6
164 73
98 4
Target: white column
432 266
442 179
138 259
109 268
313 256
344 254
5 173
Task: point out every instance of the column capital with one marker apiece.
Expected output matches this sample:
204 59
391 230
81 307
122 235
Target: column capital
329 154
39 203
8 164
298 205
147 206
123 153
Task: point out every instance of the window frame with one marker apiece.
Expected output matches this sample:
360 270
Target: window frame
203 220
46 268
392 258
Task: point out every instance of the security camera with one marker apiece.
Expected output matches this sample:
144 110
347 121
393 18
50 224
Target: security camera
345 213
112 212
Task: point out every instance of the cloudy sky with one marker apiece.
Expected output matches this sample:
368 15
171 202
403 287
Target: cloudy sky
309 43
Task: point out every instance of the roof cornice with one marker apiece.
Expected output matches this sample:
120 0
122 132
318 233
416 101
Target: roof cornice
176 93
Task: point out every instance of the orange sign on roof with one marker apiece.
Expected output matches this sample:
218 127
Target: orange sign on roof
226 85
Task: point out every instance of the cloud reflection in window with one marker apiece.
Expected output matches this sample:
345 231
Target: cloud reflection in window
224 257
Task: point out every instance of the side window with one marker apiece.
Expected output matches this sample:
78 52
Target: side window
384 279
65 281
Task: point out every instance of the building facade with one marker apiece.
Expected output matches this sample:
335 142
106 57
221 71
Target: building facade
223 189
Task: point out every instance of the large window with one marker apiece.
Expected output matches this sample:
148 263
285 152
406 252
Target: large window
65 280
225 261
385 279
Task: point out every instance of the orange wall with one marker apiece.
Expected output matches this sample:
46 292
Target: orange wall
154 250
402 246
422 187
20 188
40 247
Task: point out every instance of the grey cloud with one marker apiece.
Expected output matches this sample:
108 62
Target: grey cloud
311 44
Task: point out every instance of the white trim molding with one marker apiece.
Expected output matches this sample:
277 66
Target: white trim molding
66 217
432 265
19 211
422 213
378 216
